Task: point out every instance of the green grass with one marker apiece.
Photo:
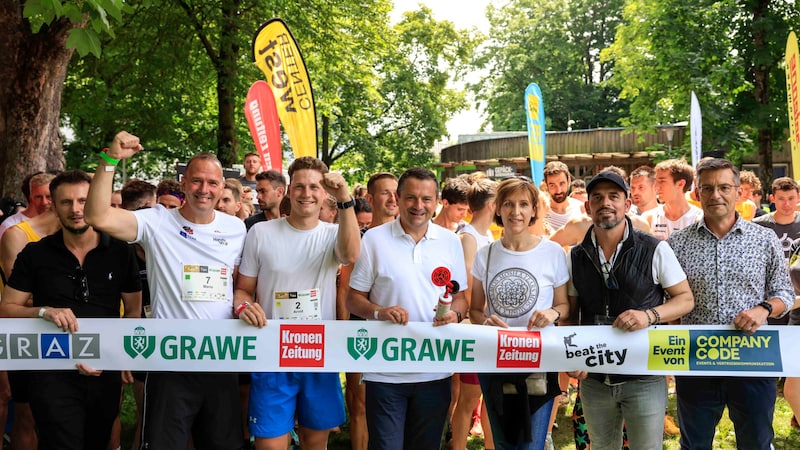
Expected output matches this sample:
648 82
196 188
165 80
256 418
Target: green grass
786 438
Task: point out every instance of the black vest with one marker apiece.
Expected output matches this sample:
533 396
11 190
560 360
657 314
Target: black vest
633 270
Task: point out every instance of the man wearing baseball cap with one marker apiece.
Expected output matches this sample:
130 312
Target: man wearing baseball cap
619 277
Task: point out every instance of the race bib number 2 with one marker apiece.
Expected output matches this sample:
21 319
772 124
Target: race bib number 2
299 305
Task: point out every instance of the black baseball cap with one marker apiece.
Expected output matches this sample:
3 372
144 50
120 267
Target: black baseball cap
609 176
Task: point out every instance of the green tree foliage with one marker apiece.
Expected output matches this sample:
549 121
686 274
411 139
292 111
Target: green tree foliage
39 37
556 44
381 92
392 122
175 74
149 82
728 52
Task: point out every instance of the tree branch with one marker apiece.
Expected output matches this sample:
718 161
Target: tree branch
200 34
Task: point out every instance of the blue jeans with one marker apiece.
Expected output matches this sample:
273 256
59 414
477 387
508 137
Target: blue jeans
750 402
540 419
407 415
639 403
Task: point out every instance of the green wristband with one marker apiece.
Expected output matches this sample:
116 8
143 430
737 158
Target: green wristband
108 159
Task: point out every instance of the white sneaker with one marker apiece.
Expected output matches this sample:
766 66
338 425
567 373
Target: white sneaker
548 442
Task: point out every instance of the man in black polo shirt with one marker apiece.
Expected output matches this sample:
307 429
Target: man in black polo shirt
76 272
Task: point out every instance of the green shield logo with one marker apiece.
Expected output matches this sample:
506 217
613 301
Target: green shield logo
362 345
140 344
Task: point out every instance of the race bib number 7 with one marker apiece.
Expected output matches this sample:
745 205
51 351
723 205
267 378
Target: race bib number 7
205 283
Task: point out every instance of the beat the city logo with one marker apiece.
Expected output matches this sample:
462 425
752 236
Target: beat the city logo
594 355
140 344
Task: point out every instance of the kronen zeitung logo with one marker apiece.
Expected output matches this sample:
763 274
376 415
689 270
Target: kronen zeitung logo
519 348
595 355
208 347
302 345
410 349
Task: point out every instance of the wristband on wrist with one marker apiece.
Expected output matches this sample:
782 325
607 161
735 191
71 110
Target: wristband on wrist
104 156
240 308
375 314
42 310
348 204
649 319
558 314
657 316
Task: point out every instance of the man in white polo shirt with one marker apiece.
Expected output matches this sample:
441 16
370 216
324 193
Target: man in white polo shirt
391 281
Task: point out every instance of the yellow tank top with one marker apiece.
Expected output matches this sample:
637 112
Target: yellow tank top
30 234
28 230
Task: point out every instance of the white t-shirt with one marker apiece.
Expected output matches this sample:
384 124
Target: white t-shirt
189 266
11 221
662 228
557 220
519 283
482 239
293 266
396 271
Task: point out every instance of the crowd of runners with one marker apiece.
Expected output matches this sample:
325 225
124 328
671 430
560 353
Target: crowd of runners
669 244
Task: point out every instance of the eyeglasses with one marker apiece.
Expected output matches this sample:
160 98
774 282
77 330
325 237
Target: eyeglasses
81 285
724 189
611 280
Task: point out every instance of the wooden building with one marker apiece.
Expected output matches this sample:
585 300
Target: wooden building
585 152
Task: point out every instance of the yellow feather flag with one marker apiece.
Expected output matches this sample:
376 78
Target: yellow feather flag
277 55
793 98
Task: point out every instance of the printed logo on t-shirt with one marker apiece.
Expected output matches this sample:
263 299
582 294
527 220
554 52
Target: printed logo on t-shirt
513 292
186 235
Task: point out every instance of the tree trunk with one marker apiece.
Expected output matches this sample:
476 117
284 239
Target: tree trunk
326 152
227 144
761 92
32 72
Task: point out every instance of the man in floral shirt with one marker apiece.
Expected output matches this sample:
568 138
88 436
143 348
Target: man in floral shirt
738 276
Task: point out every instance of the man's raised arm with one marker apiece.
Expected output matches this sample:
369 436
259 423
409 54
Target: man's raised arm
117 222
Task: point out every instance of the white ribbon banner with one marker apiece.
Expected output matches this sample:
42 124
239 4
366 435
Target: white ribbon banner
361 346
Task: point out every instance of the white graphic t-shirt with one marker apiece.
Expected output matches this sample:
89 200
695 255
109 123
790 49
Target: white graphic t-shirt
519 283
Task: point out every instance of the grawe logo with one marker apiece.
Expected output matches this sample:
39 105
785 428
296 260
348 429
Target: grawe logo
362 345
519 348
140 344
